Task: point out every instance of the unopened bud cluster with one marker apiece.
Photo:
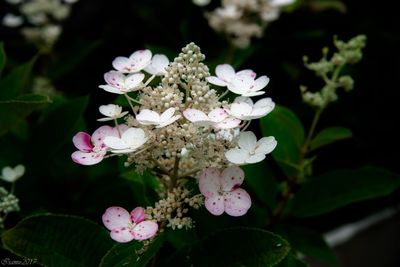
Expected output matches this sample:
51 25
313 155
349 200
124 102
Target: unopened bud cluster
329 69
8 203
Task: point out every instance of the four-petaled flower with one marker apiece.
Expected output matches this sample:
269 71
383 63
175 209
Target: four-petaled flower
249 150
92 149
111 112
131 139
126 227
226 75
158 64
150 117
222 193
136 62
243 108
9 174
217 118
118 83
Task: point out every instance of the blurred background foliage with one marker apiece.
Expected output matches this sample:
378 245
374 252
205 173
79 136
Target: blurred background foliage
39 134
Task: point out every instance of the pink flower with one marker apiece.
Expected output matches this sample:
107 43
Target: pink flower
125 227
91 149
222 193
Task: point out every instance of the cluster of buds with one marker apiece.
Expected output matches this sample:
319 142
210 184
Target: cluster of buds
40 20
241 20
180 128
329 70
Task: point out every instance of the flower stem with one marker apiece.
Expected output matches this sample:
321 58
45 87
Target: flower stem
130 103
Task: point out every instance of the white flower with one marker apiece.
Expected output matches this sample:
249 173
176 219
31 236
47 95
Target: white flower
226 75
150 117
227 134
137 61
281 3
229 12
201 2
217 118
12 21
246 85
243 108
157 66
12 174
112 112
118 83
131 139
249 150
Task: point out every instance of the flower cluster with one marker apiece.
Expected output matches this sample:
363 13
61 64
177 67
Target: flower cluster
42 19
241 20
180 127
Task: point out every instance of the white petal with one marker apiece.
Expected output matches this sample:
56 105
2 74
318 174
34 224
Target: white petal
139 60
158 64
134 137
237 202
247 140
114 78
101 133
249 73
225 72
195 115
115 217
168 122
148 117
121 64
240 110
243 99
260 83
19 170
266 145
115 143
111 89
166 115
216 81
133 81
232 177
210 182
252 93
110 110
228 123
8 174
236 156
217 115
255 158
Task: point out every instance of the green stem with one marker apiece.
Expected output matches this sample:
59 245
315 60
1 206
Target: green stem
130 103
230 54
174 176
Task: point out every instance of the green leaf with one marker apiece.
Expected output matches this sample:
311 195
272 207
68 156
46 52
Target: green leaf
322 5
126 254
13 112
339 188
12 85
143 186
233 247
308 242
262 181
286 127
58 240
291 261
3 57
330 135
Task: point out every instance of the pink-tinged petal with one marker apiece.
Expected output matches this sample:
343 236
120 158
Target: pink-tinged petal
232 177
148 117
121 64
137 215
266 145
215 205
122 234
260 83
225 72
247 140
255 158
139 60
121 128
81 141
145 230
101 133
116 217
217 115
228 123
195 115
111 89
133 81
249 73
84 158
237 202
114 78
236 156
216 81
210 182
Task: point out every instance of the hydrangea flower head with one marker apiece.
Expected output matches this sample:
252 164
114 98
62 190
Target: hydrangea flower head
125 226
222 192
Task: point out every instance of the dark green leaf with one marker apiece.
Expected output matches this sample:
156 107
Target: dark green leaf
308 242
330 135
322 5
339 188
57 240
263 182
15 82
127 254
235 247
291 261
143 186
3 57
14 111
289 132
